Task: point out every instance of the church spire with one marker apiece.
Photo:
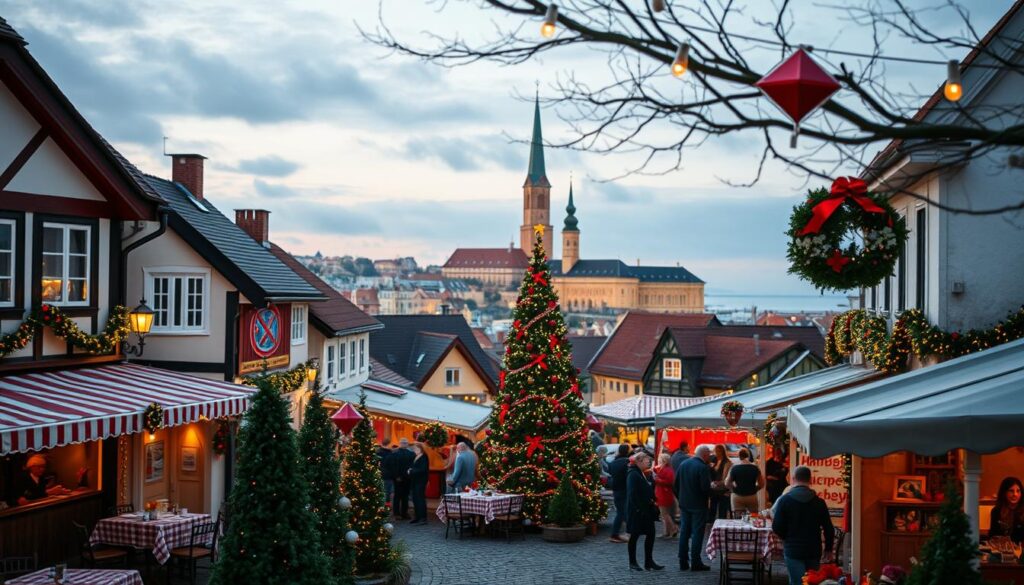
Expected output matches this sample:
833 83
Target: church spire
536 174
571 222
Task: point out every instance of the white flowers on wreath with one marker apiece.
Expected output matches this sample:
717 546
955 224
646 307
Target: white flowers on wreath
814 246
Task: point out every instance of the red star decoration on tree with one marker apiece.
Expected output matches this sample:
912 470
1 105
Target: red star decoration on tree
533 444
837 261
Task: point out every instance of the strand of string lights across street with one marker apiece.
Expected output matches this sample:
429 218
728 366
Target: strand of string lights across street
953 89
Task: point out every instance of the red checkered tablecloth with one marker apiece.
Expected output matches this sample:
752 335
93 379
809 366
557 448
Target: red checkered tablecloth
81 577
767 543
160 536
487 506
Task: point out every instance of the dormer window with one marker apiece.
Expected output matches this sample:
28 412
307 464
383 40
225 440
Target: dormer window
672 369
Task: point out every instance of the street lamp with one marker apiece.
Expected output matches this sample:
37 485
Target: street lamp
311 371
140 320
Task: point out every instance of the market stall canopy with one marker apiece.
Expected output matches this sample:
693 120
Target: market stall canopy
413 405
971 402
759 402
50 409
641 410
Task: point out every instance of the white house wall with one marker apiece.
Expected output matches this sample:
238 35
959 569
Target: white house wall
50 172
18 127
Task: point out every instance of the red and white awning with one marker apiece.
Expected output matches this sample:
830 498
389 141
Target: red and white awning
50 409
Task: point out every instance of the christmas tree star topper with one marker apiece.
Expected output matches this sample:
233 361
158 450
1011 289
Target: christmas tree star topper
539 229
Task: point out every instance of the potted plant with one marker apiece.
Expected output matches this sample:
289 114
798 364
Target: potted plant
564 515
732 410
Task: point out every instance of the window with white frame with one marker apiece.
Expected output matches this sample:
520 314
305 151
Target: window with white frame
452 376
341 359
672 369
352 356
66 263
298 324
362 355
330 364
179 300
7 256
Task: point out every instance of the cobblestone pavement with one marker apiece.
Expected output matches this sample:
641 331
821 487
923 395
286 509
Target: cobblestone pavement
484 560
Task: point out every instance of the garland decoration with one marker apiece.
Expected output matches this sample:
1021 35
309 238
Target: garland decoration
220 438
153 418
287 381
912 334
435 435
775 431
107 341
824 230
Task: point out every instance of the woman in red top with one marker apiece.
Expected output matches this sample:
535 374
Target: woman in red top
664 477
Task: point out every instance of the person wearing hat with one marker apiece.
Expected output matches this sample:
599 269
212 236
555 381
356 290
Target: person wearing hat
34 484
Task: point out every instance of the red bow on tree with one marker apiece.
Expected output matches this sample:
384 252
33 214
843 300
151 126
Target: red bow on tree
538 360
552 478
843 188
553 341
503 413
576 389
501 379
533 444
538 278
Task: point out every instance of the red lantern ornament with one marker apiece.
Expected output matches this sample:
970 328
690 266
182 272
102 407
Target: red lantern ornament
798 86
346 418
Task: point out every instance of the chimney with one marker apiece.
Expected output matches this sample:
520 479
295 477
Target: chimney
187 169
255 222
638 263
757 344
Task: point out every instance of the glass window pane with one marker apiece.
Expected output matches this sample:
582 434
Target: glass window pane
53 239
6 290
77 266
79 241
176 301
6 236
6 264
78 290
53 266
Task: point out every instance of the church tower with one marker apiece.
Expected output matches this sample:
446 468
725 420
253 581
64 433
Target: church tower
536 193
570 236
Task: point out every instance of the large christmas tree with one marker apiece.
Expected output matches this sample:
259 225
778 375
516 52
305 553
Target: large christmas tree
271 538
538 425
361 481
317 441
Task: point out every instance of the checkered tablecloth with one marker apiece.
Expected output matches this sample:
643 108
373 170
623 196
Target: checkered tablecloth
81 577
160 536
767 543
487 506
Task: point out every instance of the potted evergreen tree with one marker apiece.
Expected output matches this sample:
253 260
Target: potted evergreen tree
564 515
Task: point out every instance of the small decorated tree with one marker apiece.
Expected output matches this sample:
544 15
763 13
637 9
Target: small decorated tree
272 531
948 556
362 483
564 509
317 441
538 424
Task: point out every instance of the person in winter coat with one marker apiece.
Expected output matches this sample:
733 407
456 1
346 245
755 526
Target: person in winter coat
641 511
399 462
418 472
664 480
464 470
617 472
801 520
719 490
693 488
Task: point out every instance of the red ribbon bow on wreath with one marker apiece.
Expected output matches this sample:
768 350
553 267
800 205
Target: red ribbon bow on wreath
842 189
533 444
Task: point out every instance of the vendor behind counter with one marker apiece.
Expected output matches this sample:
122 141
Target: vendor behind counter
36 477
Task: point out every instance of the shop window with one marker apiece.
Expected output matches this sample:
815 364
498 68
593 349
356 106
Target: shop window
66 264
47 477
453 377
672 368
179 300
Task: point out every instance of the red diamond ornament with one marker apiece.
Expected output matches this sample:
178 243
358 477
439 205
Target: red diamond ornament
346 418
798 86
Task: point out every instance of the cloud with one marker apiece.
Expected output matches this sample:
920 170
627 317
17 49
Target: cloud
472 153
267 166
273 190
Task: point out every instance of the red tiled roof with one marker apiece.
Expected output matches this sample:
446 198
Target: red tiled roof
429 276
809 336
875 167
366 296
690 341
337 313
482 338
488 258
382 373
730 359
628 351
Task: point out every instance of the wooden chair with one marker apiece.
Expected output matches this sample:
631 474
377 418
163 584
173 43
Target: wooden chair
740 558
94 556
17 566
509 516
453 515
201 546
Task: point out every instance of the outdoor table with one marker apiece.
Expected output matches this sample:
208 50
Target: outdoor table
81 577
161 535
767 543
479 504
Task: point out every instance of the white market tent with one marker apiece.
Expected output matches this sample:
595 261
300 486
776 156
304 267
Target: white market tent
641 410
413 405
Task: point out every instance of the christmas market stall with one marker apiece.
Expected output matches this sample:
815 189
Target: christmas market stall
399 412
912 434
631 420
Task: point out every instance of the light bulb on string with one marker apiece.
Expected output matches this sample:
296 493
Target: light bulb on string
547 30
953 90
682 60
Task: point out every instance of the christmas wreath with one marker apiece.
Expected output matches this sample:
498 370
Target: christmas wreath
434 435
844 238
775 431
153 418
220 438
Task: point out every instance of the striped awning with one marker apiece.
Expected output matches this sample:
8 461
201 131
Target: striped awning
641 410
54 408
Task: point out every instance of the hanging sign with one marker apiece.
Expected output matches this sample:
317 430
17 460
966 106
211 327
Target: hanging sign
827 481
265 335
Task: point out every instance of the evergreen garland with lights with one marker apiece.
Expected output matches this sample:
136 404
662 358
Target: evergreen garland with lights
288 381
362 483
435 435
912 334
272 535
115 331
153 418
538 431
317 440
220 438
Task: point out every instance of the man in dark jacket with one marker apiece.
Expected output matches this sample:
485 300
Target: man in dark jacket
693 489
642 511
801 517
383 453
617 470
399 463
679 455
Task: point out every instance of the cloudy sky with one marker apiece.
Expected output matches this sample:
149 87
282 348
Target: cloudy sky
358 151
